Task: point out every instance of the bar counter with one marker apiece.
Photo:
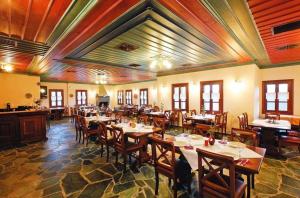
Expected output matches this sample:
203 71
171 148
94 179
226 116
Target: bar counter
19 127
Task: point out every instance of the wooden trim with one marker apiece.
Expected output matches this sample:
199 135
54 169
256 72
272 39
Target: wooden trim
290 102
145 89
122 100
186 85
86 94
62 94
221 101
128 91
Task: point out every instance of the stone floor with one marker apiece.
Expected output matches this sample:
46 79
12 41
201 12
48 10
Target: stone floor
60 167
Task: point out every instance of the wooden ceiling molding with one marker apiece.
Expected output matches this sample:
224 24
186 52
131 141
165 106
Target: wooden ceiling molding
269 14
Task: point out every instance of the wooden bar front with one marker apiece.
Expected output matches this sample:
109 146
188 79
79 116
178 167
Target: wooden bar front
22 127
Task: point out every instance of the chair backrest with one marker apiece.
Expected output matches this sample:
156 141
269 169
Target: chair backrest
246 120
224 121
201 129
193 112
167 114
163 155
102 129
160 123
143 119
155 108
212 182
184 116
77 121
246 136
118 136
118 116
83 123
275 116
242 122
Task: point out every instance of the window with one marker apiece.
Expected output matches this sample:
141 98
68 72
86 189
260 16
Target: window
81 97
180 97
277 96
211 96
56 97
143 97
120 97
128 97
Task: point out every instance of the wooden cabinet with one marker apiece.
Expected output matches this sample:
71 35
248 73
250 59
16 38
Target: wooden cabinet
22 127
8 131
32 128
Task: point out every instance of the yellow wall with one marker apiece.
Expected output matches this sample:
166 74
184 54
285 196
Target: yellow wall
13 88
238 97
70 88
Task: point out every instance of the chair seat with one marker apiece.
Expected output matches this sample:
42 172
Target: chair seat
294 133
290 139
211 191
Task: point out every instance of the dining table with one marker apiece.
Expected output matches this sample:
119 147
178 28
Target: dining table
248 158
201 118
270 133
104 119
139 132
57 112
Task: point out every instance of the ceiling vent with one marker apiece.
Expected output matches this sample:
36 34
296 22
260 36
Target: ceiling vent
134 65
126 47
286 27
289 46
17 45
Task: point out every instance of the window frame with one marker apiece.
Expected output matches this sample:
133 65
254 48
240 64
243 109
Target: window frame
147 91
186 85
221 100
50 100
290 101
86 94
120 101
131 100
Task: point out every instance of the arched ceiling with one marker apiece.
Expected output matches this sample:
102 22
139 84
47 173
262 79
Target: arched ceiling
74 41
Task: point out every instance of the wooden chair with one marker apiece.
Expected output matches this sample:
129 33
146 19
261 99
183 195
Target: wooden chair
155 108
160 123
186 124
163 155
242 122
124 147
246 123
78 127
246 136
105 137
143 119
118 117
275 116
224 122
201 129
86 131
218 122
72 114
212 183
193 112
174 118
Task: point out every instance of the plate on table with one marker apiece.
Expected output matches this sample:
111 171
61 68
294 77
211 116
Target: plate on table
195 136
237 144
148 127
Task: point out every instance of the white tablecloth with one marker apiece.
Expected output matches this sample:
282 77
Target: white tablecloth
279 124
205 117
224 149
141 128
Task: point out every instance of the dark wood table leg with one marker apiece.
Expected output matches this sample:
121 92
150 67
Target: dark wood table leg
248 185
253 180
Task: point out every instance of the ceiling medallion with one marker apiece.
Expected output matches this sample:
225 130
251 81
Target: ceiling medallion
126 47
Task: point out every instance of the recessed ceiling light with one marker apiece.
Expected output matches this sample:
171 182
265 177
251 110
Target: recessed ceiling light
7 68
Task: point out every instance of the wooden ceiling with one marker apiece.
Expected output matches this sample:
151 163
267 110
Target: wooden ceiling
74 41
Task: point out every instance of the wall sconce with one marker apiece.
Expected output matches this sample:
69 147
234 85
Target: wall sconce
237 85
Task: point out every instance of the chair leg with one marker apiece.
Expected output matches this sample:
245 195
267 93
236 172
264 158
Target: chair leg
124 162
107 153
169 181
175 188
253 179
76 134
101 150
117 155
156 182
